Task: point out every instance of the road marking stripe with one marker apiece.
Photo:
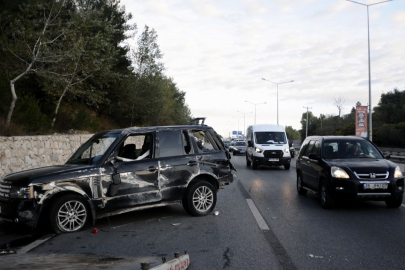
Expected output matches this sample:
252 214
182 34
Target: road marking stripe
35 243
403 205
259 219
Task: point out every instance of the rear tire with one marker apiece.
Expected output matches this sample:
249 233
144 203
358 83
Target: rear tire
394 202
200 198
69 213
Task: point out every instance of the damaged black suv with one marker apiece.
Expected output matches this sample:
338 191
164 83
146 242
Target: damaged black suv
120 171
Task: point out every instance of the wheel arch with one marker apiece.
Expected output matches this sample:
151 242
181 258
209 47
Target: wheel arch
51 197
207 177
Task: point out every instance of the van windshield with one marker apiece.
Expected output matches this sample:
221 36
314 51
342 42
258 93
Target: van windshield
270 137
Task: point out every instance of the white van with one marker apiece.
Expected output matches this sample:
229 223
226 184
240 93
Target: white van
267 145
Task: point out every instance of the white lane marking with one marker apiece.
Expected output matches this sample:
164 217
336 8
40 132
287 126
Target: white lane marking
259 219
35 243
403 205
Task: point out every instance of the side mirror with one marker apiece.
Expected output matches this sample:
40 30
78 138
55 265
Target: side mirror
387 156
250 144
313 156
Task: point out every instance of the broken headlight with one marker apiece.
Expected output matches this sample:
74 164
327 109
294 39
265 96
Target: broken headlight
26 192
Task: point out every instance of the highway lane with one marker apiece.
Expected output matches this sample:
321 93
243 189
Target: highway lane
230 240
354 235
300 234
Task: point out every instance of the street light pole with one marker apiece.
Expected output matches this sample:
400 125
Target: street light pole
306 133
277 91
244 114
255 106
370 123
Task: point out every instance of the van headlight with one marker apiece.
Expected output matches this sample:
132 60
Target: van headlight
258 150
398 173
287 150
339 173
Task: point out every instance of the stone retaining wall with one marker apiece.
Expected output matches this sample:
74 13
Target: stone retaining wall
27 152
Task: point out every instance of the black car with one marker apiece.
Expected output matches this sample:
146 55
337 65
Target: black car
348 167
120 171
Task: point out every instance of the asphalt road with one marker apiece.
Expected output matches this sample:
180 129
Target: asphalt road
299 234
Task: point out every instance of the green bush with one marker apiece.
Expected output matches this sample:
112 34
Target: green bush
29 115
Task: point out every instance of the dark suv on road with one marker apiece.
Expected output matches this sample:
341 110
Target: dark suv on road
347 167
120 171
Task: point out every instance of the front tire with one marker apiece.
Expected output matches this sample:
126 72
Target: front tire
200 199
394 202
300 185
254 163
327 201
69 213
247 161
287 166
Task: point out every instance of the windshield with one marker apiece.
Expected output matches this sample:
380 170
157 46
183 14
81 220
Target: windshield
349 149
270 137
240 144
92 150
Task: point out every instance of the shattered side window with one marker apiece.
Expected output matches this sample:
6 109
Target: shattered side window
136 147
171 143
203 142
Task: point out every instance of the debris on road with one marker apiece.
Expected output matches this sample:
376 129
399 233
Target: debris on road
315 256
216 213
176 224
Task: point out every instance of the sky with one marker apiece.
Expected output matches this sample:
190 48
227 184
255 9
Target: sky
218 51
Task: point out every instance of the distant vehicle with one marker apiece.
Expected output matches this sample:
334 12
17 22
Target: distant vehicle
267 145
118 171
231 144
239 148
347 167
226 143
292 149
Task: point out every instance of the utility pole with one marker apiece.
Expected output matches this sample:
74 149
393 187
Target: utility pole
306 133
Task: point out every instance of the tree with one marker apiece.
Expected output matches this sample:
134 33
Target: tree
312 124
148 69
292 134
391 108
339 103
92 53
32 39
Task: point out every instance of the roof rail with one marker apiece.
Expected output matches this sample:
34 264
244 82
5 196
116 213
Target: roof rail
196 121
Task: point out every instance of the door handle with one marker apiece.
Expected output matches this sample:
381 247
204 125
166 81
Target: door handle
192 163
151 169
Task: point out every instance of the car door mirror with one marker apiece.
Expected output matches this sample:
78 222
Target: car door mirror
387 155
250 144
313 156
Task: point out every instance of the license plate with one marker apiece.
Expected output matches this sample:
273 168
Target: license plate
273 159
375 186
